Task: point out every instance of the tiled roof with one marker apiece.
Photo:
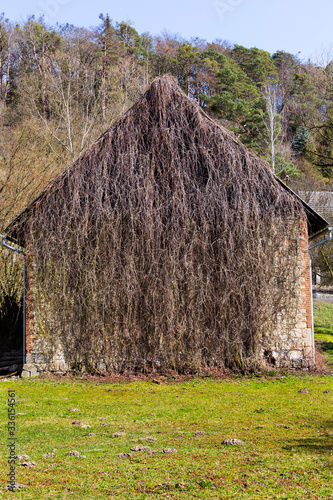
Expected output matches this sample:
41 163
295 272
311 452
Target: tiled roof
320 201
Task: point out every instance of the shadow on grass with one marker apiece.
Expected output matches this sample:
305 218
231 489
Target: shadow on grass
317 445
320 444
326 347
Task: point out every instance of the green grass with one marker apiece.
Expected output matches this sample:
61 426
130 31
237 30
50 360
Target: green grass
323 326
287 435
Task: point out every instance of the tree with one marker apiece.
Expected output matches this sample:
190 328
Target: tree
272 122
237 100
257 64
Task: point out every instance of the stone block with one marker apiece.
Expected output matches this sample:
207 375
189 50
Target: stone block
29 370
308 352
297 363
63 366
295 355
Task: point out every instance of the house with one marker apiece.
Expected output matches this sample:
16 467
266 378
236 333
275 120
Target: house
322 257
167 245
320 201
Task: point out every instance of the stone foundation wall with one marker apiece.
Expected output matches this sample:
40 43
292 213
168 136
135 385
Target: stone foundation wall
41 353
291 343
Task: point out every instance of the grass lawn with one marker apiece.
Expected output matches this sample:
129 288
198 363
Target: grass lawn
323 320
287 435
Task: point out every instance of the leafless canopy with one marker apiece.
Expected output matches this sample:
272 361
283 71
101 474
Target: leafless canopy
162 245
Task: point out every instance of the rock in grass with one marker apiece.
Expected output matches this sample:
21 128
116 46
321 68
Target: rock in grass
124 455
92 434
140 448
149 438
73 453
72 410
118 434
103 424
326 392
23 457
181 486
77 422
303 391
233 442
48 455
169 450
28 465
199 433
15 486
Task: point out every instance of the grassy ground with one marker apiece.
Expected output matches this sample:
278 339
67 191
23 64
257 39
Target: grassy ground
323 320
287 436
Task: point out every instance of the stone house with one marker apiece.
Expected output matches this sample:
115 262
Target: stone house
167 245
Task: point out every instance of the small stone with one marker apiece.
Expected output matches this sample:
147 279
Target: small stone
152 415
83 456
199 433
261 427
15 486
283 426
118 434
48 455
73 453
326 392
169 450
149 438
233 442
180 486
77 422
28 465
124 455
103 424
140 448
86 426
72 410
23 457
92 434
303 391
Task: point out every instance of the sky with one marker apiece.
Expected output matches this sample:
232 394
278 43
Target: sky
302 27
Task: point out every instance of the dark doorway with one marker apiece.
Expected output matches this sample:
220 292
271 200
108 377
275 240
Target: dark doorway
11 335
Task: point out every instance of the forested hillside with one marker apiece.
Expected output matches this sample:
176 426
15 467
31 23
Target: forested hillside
62 86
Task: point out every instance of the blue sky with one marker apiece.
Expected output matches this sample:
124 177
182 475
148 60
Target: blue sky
291 25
